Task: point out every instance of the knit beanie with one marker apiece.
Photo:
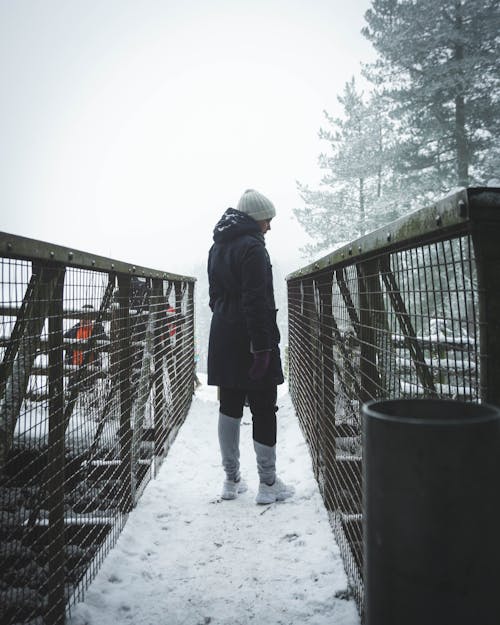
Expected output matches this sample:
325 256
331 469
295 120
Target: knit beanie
256 205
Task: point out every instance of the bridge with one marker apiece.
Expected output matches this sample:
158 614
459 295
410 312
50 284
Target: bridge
98 375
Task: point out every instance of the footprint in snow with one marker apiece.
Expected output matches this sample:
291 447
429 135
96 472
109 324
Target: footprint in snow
114 579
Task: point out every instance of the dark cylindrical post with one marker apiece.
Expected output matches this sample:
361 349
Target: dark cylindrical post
431 525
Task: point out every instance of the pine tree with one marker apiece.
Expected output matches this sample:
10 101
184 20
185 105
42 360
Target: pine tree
353 197
438 64
432 121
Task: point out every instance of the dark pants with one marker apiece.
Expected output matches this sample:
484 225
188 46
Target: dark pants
262 406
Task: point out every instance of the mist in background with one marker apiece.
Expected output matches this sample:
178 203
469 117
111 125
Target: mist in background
129 127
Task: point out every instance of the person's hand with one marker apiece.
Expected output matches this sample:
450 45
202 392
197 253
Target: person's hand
260 365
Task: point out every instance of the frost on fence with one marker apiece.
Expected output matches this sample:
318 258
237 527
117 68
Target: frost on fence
97 377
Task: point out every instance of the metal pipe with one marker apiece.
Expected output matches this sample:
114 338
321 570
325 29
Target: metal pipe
431 512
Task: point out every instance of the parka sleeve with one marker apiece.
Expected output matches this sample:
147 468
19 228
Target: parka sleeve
254 276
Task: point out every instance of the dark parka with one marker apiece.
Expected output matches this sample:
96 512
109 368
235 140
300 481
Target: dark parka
242 301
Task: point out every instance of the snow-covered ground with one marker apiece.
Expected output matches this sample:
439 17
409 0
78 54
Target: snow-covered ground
187 557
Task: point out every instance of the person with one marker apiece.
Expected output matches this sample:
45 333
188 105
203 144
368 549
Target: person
243 354
82 331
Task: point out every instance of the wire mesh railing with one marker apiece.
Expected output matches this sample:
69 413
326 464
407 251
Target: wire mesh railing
97 377
411 310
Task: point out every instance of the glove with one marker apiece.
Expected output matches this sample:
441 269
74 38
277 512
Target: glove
260 365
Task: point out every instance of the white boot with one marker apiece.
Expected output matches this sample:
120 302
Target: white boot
229 441
231 489
271 488
276 492
266 462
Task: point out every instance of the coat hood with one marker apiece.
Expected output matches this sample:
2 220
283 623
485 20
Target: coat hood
234 223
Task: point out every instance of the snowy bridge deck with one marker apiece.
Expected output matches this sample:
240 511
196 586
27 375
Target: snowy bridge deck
186 557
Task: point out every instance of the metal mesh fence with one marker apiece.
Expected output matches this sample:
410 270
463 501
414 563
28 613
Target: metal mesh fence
97 377
408 311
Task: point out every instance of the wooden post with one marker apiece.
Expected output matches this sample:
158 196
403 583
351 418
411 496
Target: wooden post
55 460
369 379
125 369
191 338
327 417
158 308
485 216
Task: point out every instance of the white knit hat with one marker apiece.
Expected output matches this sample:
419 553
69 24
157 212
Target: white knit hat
256 205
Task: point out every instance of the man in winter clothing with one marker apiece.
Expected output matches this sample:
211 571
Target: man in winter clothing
82 331
243 355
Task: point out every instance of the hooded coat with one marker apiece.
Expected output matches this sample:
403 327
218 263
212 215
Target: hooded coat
242 302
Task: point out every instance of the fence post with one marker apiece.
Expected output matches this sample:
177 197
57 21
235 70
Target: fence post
293 342
311 368
485 215
55 457
158 308
174 354
368 335
125 367
327 425
191 339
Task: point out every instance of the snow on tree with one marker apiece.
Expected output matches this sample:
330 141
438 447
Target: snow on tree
355 194
431 123
438 65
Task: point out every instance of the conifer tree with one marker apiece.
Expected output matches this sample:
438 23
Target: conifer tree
438 64
345 206
431 123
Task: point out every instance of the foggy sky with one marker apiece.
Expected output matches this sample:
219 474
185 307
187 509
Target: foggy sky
129 127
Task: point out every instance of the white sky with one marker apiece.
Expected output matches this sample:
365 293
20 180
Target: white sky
128 127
